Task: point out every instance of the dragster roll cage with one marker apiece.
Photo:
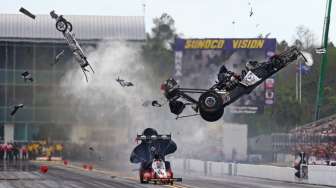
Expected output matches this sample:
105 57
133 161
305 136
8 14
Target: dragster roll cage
181 92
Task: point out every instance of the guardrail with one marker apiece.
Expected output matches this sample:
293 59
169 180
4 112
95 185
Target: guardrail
317 174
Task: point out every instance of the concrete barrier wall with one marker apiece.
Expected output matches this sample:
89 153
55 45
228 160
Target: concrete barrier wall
322 175
218 168
266 171
317 174
192 166
196 166
177 164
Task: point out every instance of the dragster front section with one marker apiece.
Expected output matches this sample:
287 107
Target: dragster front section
65 27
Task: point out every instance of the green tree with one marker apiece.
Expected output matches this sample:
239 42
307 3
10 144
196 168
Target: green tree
283 45
158 50
306 36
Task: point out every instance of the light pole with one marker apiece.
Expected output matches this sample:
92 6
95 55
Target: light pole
320 91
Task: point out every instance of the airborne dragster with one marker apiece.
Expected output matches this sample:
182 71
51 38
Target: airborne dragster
229 87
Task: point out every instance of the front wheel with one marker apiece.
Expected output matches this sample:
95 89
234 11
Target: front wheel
62 25
69 25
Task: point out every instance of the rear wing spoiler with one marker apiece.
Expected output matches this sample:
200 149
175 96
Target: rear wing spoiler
153 137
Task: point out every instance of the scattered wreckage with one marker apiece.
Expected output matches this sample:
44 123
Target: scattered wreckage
320 50
58 57
16 108
251 12
230 87
27 13
154 103
124 83
65 27
27 76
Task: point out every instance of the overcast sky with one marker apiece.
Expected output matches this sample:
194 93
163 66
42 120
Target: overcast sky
196 18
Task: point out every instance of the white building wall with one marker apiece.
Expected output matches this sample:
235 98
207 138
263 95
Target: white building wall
235 138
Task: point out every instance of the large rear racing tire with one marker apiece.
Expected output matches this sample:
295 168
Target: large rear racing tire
211 106
212 116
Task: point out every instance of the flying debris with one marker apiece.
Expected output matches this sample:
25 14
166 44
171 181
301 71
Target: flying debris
233 22
124 83
58 56
251 12
27 13
267 35
16 108
65 27
95 153
320 50
155 103
309 61
27 76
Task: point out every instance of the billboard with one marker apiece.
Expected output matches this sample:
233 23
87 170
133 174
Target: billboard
197 62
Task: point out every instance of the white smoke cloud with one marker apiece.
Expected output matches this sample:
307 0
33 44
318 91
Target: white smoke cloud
112 115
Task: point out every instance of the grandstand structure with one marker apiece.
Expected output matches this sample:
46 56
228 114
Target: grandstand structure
317 139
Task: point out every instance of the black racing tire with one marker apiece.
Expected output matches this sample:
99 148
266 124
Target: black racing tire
176 107
141 174
61 25
210 102
210 106
167 164
69 25
212 116
142 180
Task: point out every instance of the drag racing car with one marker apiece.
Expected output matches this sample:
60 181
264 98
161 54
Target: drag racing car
230 87
150 153
65 27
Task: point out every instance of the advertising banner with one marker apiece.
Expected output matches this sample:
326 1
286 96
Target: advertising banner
197 62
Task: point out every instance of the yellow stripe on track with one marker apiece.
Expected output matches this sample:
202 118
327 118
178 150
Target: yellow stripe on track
182 185
179 186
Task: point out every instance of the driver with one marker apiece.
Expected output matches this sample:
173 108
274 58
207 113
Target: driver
225 76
